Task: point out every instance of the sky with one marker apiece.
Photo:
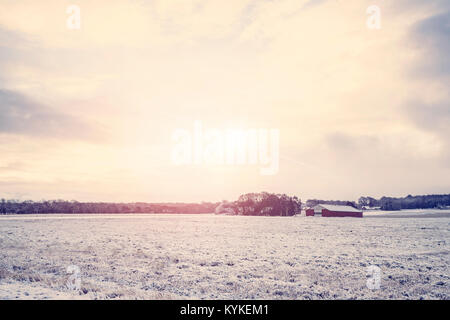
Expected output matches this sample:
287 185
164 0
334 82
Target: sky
90 113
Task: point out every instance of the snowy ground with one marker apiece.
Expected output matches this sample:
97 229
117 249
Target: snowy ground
225 257
410 213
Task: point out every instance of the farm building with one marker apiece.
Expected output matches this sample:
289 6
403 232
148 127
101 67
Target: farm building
329 210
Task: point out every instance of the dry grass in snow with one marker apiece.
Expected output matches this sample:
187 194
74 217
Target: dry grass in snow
223 257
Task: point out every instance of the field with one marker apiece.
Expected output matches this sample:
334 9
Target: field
147 256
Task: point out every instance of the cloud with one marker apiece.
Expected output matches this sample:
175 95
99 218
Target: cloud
433 116
432 37
12 44
429 108
313 3
359 151
137 24
310 67
349 144
23 116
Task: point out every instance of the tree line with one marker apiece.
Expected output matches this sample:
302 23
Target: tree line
256 204
391 203
250 204
408 202
63 206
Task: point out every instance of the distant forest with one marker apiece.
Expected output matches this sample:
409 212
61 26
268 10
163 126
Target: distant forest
62 206
408 202
389 203
263 203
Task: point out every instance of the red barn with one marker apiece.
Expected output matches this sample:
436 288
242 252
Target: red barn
331 210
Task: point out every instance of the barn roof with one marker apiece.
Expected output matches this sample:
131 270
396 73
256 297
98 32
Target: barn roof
337 208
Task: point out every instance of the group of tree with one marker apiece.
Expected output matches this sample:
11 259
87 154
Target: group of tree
62 206
261 204
408 202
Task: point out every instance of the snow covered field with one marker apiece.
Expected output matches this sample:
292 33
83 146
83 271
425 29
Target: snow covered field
409 213
225 257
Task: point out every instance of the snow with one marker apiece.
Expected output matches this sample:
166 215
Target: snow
409 213
336 208
149 256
